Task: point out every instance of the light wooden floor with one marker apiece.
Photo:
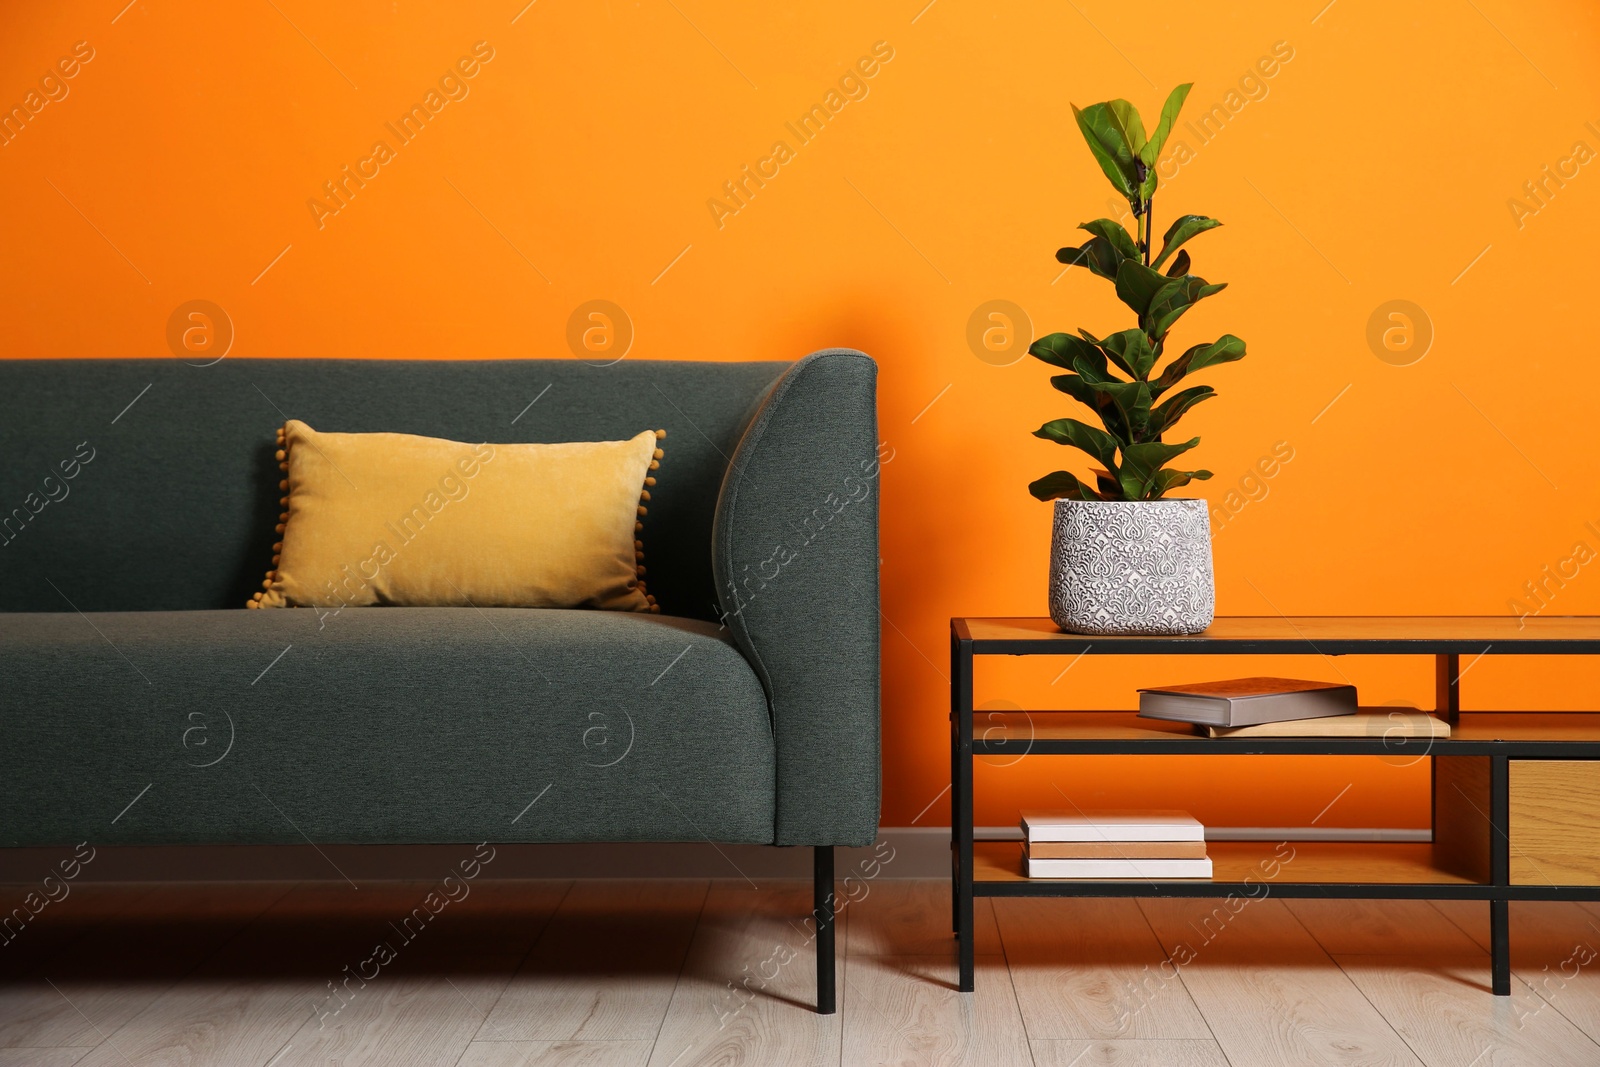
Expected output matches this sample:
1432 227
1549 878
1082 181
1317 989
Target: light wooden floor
675 974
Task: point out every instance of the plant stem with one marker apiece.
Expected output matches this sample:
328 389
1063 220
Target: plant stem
1149 228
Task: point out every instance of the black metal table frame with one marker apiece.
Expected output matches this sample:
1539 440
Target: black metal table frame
1498 891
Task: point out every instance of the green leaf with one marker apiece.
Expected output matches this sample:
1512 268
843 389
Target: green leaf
1098 254
1092 368
1124 407
1127 120
1115 234
1141 463
1075 256
1175 297
1104 252
1078 388
1131 349
1170 410
1101 366
1137 285
1169 115
1183 228
1165 480
1151 151
1063 349
1099 444
1108 485
1095 254
1225 349
1180 266
1132 402
1111 137
1061 485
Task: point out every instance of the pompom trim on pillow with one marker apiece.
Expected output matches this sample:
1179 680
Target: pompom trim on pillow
638 527
282 456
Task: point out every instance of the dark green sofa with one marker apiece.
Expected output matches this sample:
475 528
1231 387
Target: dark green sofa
144 705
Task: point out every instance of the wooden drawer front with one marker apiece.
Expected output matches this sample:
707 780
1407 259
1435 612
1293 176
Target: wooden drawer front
1555 822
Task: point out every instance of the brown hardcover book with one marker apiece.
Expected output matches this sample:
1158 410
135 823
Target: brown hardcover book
1115 850
1247 701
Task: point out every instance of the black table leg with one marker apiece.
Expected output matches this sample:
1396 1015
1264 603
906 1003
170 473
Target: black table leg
1500 946
955 808
1500 872
961 807
823 914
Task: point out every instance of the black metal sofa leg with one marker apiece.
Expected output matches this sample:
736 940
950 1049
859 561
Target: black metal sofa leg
822 912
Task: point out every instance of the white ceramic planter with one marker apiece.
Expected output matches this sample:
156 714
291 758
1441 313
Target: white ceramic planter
1132 567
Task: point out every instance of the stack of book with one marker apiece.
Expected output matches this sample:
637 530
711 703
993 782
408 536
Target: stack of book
1282 707
1113 844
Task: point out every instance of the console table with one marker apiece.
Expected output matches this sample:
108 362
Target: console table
1516 795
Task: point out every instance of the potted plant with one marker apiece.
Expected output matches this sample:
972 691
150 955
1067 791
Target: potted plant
1126 558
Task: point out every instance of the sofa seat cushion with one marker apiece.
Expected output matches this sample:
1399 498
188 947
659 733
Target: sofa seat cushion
379 725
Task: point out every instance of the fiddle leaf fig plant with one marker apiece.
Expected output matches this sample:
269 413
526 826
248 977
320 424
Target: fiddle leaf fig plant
1117 376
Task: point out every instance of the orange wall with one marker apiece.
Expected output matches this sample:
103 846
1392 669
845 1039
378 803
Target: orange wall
1377 165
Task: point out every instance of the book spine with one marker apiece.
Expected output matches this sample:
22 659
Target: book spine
1113 833
1287 707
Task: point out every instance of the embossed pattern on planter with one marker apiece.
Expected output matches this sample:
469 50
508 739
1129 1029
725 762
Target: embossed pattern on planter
1132 567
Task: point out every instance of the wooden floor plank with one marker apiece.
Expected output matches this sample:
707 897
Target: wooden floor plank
246 1004
556 1054
1381 927
749 985
41 1057
422 1020
605 967
1471 917
911 917
1268 991
534 975
1091 969
126 962
426 1006
1555 950
1442 1008
1180 1053
903 1011
207 1021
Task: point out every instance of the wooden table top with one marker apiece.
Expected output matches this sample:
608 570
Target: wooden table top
1327 634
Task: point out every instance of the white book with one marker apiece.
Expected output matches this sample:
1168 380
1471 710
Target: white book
1111 826
1154 869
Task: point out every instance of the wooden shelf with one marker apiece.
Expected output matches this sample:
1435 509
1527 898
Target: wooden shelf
1322 863
1067 732
1527 726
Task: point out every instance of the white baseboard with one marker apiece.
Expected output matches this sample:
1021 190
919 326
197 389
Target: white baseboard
1316 833
901 852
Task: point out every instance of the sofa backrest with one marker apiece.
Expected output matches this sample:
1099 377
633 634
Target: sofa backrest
149 484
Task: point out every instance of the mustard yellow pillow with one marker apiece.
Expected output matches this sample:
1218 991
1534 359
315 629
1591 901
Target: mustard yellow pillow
391 518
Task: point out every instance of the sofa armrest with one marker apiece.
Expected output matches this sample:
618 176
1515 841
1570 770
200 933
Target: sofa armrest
795 555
